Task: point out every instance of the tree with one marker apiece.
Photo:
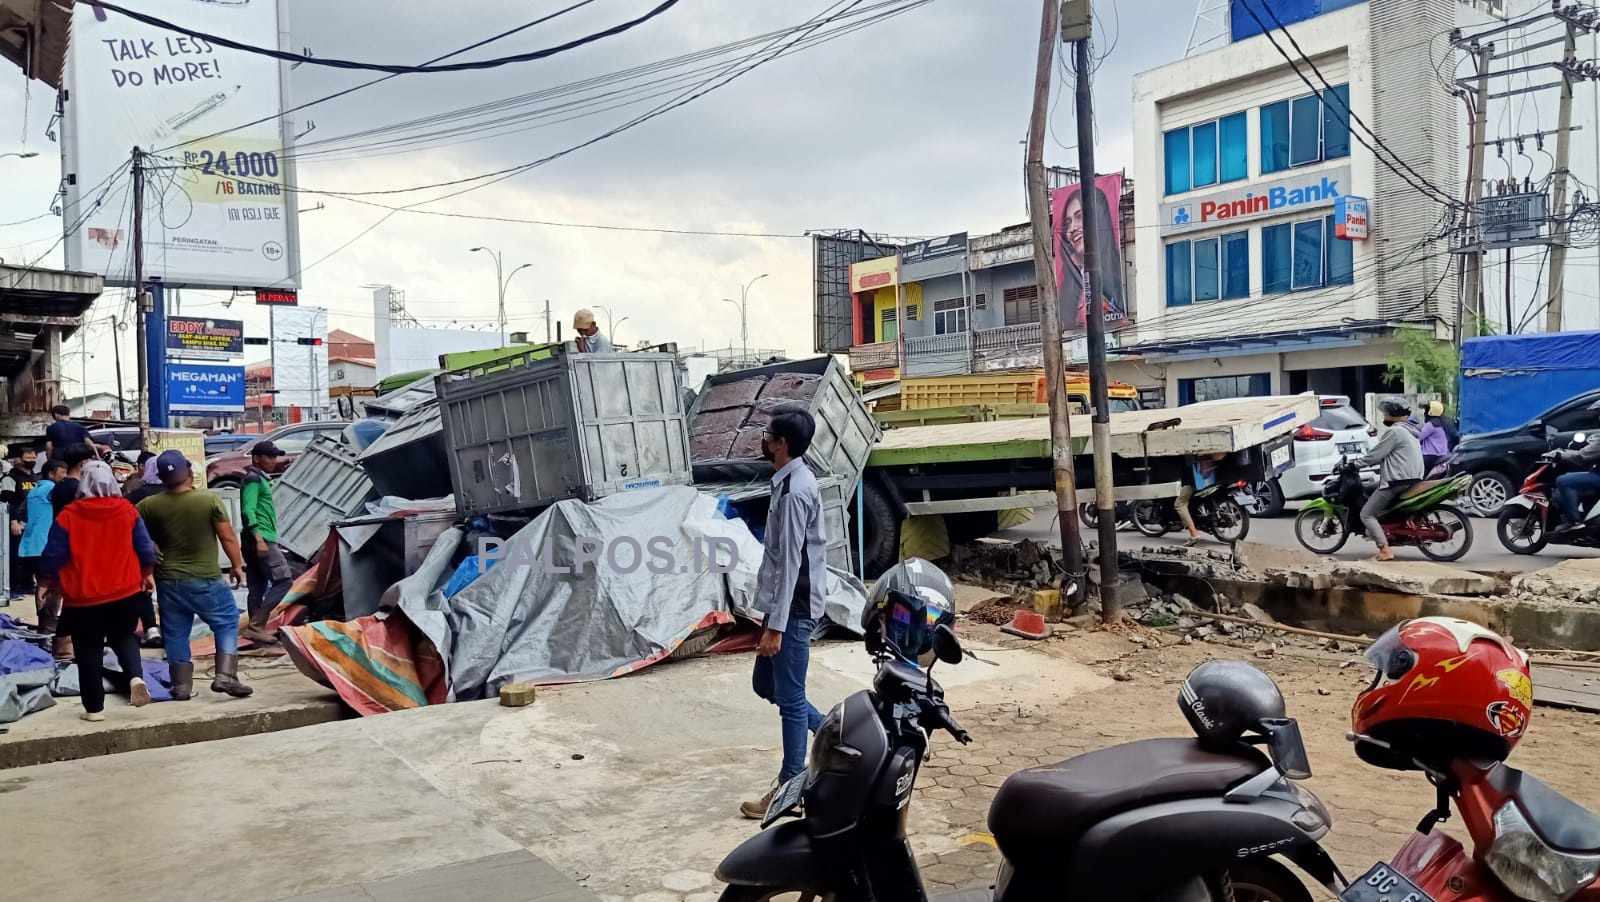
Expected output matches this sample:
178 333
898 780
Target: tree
1425 363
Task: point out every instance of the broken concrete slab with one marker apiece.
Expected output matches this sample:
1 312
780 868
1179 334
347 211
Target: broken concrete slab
1413 577
1574 580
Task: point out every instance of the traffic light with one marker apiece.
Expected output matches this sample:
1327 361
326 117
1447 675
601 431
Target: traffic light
309 341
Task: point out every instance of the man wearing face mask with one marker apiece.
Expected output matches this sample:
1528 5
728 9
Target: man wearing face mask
589 340
792 583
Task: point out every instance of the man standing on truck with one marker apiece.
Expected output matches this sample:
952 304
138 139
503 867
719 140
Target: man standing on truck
791 588
589 339
63 432
263 562
1398 457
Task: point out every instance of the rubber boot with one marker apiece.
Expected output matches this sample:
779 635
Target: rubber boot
256 630
227 678
182 681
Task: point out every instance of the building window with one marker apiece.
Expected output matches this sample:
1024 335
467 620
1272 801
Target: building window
1208 269
889 329
1222 388
1305 130
950 316
1304 255
912 313
1207 154
981 302
1022 305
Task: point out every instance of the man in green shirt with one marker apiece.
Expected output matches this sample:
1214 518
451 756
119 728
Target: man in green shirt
186 525
264 562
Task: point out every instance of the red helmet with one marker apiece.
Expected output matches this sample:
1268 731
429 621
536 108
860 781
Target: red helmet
1445 688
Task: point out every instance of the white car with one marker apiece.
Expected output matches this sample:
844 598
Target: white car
1338 431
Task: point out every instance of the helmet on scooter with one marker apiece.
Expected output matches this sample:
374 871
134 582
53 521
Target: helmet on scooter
1445 688
1224 699
905 605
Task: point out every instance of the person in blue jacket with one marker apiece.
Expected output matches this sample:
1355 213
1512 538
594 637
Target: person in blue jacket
39 513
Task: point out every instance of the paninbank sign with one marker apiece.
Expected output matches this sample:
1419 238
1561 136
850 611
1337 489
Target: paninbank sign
1293 194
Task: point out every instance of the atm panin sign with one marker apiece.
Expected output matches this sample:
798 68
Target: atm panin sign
1351 219
1287 195
203 388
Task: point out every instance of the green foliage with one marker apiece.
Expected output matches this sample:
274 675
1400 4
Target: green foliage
1425 362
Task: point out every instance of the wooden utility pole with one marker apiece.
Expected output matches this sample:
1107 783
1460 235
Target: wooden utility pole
1556 287
1094 324
1049 309
141 321
1469 308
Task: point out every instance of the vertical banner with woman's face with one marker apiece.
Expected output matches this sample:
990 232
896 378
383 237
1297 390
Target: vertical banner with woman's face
1068 223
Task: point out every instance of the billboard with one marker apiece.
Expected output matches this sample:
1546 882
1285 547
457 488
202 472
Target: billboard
1066 217
217 213
204 339
1290 194
934 248
300 371
835 306
200 388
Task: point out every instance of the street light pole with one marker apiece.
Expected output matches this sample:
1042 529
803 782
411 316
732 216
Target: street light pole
744 322
501 283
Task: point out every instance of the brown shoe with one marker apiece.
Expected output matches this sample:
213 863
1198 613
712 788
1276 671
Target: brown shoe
757 809
258 635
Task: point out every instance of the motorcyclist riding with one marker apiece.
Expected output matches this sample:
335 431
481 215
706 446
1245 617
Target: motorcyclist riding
1583 482
1398 457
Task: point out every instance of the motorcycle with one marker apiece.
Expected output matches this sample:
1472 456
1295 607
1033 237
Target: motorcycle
1528 522
1089 515
1420 517
1214 510
1159 819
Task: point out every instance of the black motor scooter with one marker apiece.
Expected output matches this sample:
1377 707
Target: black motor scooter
1158 819
1216 509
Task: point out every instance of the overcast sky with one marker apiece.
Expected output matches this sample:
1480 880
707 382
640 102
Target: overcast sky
912 127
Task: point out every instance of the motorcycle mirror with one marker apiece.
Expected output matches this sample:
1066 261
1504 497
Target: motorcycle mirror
1551 431
946 647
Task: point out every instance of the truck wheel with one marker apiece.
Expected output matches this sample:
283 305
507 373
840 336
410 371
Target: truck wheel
882 539
971 526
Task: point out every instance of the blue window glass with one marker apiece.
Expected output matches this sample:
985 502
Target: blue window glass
1336 123
1233 155
1235 265
1275 137
1308 254
1341 256
1276 259
1177 150
1205 154
1180 287
1305 131
1207 281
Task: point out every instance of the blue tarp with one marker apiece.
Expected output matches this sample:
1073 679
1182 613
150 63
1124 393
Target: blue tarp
1507 380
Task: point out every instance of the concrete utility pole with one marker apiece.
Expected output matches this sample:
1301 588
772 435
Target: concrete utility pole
141 301
1556 287
1094 323
1469 308
1049 310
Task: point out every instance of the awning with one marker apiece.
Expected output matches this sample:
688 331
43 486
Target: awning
34 35
1264 342
30 300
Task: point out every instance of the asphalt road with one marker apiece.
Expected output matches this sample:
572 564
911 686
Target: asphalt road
1486 554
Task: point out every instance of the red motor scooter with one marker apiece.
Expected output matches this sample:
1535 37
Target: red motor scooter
1456 700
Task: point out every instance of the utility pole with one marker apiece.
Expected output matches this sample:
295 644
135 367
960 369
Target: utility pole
1472 263
1556 287
1094 323
116 355
139 306
547 323
1049 311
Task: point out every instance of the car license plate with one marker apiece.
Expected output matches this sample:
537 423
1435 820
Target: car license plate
1280 458
785 799
1352 448
1383 884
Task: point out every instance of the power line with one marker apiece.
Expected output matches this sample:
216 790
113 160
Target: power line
386 67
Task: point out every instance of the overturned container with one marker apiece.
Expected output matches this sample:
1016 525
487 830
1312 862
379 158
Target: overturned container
324 485
524 433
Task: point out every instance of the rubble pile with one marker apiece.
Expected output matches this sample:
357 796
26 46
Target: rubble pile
1013 567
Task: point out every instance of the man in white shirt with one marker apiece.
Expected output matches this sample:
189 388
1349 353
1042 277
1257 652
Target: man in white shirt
589 339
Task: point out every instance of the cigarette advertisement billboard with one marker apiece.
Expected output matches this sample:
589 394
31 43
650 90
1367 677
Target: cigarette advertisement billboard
216 209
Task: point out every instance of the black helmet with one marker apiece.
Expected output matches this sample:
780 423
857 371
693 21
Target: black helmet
911 586
1223 699
1394 407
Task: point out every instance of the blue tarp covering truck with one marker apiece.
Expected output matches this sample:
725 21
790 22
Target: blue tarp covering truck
1507 380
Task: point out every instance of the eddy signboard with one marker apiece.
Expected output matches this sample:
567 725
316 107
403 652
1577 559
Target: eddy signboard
1295 193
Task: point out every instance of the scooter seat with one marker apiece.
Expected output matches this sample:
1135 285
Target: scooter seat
1559 821
1423 486
1039 810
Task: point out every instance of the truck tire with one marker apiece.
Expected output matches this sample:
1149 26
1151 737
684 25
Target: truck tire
882 537
971 526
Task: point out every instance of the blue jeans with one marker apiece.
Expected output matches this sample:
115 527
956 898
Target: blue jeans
781 679
1571 489
182 600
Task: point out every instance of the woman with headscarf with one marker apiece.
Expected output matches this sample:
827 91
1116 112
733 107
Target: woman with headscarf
101 558
143 483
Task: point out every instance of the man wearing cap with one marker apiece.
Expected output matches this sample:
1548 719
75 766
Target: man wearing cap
589 338
186 525
263 562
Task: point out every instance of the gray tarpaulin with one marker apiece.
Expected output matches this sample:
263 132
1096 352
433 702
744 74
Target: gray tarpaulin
522 620
24 693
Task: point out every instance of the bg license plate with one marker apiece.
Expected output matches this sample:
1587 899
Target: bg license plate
1383 884
785 799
